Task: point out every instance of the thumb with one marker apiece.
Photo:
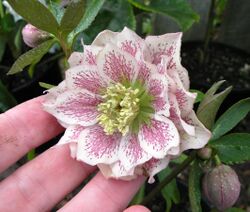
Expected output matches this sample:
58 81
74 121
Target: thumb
137 208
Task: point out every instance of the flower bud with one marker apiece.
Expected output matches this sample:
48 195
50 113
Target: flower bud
221 187
205 153
33 36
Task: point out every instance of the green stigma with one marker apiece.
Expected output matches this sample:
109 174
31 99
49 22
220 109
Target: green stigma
124 108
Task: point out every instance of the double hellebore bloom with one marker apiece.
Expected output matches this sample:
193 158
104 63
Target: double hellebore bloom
126 106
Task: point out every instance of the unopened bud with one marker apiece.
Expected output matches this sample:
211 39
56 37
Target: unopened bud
33 36
205 153
221 187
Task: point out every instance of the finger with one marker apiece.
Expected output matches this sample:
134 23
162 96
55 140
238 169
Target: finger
137 208
100 193
23 128
41 183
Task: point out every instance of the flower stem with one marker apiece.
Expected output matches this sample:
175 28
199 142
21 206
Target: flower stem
217 160
169 178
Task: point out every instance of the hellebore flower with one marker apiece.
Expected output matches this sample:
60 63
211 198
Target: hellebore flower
126 105
33 36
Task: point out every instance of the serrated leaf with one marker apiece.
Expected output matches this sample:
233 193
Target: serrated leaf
200 95
194 187
57 10
170 192
72 16
93 7
6 99
36 13
232 148
210 105
231 118
179 10
32 56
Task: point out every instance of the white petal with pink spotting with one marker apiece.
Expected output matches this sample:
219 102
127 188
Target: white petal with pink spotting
126 105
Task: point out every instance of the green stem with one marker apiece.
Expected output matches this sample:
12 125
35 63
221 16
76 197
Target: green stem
217 160
169 178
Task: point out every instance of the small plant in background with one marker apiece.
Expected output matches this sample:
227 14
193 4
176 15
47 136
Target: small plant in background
66 24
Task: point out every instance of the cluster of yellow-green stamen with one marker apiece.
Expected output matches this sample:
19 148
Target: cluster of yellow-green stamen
119 109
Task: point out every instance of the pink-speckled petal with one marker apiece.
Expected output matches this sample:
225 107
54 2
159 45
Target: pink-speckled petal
163 45
130 152
76 107
145 71
86 77
88 57
175 116
104 37
76 58
53 93
71 134
116 64
128 41
159 136
202 135
157 86
185 100
168 46
95 147
154 166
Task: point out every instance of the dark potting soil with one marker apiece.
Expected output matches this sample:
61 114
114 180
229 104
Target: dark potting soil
223 63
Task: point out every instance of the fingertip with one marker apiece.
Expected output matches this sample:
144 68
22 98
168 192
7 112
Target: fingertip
137 208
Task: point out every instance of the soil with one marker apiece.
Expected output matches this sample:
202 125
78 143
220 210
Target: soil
222 63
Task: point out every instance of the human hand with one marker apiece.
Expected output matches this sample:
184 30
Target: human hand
41 183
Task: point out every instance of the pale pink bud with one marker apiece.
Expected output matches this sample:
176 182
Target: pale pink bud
221 187
33 36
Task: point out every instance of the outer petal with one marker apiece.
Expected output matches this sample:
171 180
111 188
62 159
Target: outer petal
202 135
76 108
175 116
157 86
117 171
130 152
86 77
95 147
154 166
88 57
104 37
158 137
116 64
71 134
168 45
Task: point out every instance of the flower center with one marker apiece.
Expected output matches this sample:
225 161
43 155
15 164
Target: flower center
122 107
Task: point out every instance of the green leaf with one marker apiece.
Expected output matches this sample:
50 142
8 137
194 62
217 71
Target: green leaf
32 56
210 105
200 95
231 118
115 15
6 99
179 10
46 85
232 148
194 187
36 13
93 7
72 16
139 196
170 192
57 10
